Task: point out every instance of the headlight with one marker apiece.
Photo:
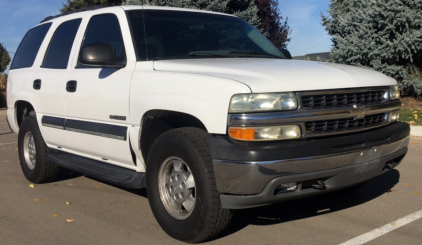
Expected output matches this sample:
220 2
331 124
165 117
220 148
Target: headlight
394 92
265 133
263 102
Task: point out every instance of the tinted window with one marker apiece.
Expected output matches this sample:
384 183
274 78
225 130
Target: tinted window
105 29
28 49
164 34
60 46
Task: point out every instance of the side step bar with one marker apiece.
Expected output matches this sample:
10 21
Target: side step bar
103 171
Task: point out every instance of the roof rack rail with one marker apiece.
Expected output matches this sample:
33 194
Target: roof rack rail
86 8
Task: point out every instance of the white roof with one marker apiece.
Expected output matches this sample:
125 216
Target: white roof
134 7
61 18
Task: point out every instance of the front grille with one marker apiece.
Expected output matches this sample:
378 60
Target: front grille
331 126
342 99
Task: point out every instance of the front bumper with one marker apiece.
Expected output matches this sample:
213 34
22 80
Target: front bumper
247 174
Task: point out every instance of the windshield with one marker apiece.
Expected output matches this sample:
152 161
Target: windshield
164 34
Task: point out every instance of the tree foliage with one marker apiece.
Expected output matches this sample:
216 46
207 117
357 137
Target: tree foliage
385 35
77 4
272 24
4 58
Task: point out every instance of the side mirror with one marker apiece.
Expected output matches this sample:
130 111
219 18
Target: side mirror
286 53
100 55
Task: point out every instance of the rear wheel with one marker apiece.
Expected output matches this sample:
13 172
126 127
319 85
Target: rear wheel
181 186
32 151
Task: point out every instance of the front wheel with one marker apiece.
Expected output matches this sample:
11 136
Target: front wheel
181 186
32 151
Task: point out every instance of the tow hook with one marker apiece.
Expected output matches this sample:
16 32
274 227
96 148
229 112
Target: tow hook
320 186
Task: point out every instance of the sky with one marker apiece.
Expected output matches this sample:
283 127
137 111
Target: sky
308 36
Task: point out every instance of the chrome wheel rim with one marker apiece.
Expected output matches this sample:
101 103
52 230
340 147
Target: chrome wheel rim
177 188
29 150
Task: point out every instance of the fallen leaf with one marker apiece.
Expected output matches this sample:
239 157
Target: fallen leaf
406 183
56 216
70 220
36 200
70 184
415 192
67 203
393 190
415 143
421 199
32 185
393 224
97 186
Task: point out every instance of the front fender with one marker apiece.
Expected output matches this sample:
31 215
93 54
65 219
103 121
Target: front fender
204 97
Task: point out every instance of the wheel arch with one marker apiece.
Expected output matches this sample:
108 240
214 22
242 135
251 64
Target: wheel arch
23 108
156 122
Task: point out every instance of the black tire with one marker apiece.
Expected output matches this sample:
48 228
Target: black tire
43 171
207 219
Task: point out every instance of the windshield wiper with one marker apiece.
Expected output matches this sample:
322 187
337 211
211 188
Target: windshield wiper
204 53
254 53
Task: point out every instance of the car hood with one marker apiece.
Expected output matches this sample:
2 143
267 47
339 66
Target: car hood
276 75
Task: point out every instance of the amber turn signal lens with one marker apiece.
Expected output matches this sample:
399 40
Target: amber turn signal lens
242 133
283 132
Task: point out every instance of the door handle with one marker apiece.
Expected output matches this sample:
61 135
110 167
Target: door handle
37 84
71 86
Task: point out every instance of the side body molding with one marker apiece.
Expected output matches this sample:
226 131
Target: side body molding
92 128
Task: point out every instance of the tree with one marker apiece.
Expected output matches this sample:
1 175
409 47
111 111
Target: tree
4 58
385 35
272 24
77 4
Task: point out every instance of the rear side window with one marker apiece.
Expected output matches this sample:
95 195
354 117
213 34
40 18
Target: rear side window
58 52
28 49
105 29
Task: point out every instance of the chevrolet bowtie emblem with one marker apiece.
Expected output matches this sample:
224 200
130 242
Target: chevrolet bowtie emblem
359 111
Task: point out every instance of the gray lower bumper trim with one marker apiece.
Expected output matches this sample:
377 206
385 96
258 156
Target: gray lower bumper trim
248 178
334 179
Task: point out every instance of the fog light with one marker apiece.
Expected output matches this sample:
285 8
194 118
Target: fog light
394 116
266 133
283 188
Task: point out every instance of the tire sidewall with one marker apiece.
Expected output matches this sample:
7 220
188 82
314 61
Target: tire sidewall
30 124
175 145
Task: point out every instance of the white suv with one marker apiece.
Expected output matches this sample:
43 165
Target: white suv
199 108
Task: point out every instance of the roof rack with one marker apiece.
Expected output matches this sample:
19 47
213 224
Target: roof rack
86 8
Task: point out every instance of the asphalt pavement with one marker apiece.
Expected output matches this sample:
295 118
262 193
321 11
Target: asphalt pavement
81 210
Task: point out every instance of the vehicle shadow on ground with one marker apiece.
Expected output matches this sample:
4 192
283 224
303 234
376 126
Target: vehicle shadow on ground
65 174
291 210
140 192
312 206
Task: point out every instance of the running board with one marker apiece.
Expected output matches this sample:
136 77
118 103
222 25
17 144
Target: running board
103 171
